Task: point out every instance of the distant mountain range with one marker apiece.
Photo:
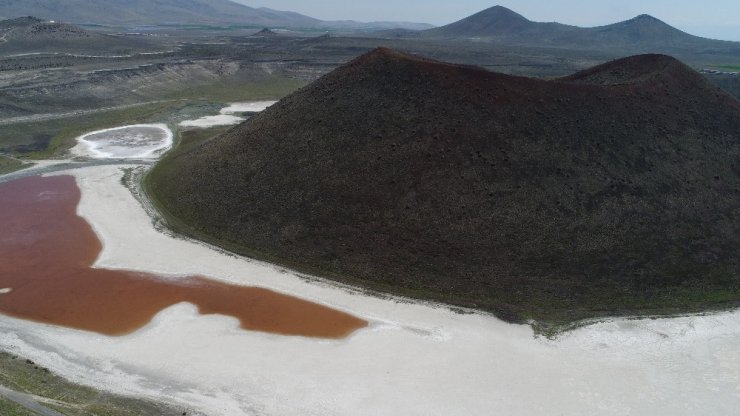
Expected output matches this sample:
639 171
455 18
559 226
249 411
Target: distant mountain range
151 12
641 34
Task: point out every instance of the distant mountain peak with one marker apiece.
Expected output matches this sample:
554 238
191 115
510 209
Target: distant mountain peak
501 12
265 32
646 28
493 21
646 17
641 34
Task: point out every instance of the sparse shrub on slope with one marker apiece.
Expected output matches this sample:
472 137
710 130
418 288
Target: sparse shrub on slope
612 191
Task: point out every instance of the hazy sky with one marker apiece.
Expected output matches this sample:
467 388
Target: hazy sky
710 18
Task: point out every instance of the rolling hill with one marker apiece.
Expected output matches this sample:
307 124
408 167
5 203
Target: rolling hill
611 191
500 22
638 35
175 12
33 35
116 12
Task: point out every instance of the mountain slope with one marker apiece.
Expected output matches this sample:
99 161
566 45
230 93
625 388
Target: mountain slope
354 25
158 12
117 12
641 34
614 190
499 22
636 70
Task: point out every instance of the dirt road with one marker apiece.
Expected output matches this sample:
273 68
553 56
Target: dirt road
28 401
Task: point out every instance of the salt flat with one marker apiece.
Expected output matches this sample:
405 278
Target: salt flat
250 106
139 141
414 359
226 116
212 121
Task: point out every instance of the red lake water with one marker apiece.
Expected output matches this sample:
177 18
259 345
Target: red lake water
46 275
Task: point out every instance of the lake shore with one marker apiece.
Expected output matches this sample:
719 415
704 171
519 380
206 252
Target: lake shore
415 358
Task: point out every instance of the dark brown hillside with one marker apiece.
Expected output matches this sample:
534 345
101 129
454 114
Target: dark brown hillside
648 69
553 200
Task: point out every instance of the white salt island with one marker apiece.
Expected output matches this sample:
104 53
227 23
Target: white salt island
139 141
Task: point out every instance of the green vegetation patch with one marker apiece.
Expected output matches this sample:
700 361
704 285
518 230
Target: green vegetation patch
728 67
25 376
9 164
238 88
8 408
51 138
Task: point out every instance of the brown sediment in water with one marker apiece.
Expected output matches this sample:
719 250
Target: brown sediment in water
46 257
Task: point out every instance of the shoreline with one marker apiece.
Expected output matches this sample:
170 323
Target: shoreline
416 358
